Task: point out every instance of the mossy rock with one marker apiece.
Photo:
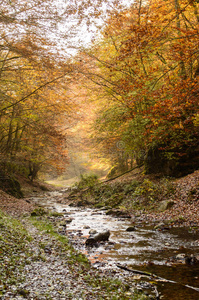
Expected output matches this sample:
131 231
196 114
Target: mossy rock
39 212
118 213
23 292
10 185
166 204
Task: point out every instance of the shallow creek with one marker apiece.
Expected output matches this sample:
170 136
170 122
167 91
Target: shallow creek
160 252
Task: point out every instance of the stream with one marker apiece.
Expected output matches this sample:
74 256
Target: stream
161 252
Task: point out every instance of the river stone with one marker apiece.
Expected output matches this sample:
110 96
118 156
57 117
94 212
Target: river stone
92 231
131 228
102 236
159 226
190 260
166 204
86 227
118 213
180 256
68 220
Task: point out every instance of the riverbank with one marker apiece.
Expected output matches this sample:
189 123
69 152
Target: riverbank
147 198
39 263
36 262
139 195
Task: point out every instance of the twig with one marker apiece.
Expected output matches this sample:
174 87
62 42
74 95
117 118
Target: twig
135 271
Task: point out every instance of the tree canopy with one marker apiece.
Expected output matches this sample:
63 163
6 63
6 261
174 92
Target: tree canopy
142 71
146 65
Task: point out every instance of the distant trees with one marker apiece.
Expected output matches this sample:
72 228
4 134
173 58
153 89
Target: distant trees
35 77
146 67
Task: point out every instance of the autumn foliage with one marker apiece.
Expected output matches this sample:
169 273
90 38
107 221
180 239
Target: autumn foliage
142 72
147 67
34 107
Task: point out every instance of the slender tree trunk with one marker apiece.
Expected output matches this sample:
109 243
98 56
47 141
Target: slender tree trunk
178 25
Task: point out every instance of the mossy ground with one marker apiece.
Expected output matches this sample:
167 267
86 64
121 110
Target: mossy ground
142 195
132 195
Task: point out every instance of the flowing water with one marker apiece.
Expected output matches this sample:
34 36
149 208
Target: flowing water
160 252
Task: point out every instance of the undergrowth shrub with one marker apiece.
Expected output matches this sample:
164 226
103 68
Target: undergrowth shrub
149 191
87 180
130 187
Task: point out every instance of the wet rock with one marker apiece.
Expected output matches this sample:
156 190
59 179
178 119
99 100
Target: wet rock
87 227
167 244
102 236
68 220
187 259
122 242
111 243
82 203
90 242
92 231
190 260
118 213
97 213
180 256
79 233
166 204
131 228
161 226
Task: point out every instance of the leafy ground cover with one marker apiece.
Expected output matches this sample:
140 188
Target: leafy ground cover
140 194
13 251
39 263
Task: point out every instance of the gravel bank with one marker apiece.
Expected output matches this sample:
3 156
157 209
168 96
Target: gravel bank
54 270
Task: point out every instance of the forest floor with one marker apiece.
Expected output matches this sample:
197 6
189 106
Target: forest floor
185 196
37 263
